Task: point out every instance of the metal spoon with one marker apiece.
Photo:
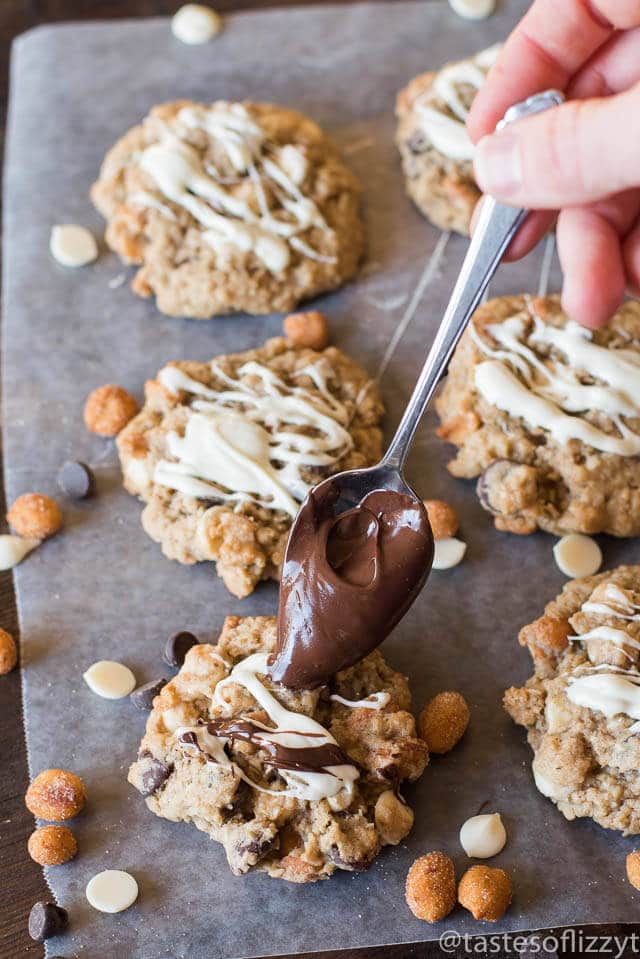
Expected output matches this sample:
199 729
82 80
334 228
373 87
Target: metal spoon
496 228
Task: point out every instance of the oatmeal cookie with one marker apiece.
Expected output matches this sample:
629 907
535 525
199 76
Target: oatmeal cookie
222 750
547 414
230 207
582 705
436 151
224 452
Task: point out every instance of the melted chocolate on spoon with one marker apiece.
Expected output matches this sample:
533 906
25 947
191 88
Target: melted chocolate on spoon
346 582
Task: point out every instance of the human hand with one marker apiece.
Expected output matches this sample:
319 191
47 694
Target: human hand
582 158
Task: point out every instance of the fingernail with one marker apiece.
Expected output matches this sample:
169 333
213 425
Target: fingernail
497 164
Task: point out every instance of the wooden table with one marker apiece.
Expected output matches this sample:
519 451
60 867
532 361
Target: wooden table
22 880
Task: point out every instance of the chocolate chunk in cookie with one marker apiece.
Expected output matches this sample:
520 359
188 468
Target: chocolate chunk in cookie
151 774
177 647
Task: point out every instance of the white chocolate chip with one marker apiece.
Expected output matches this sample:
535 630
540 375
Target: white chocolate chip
195 23
577 555
13 549
484 836
293 162
112 890
547 786
72 245
473 9
109 679
138 474
448 552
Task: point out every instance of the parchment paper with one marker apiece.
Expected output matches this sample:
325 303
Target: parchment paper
102 589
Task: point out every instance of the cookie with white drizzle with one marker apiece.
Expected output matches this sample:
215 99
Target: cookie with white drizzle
547 414
223 452
581 708
436 150
295 784
230 207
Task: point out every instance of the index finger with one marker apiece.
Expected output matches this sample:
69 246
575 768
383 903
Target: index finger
549 45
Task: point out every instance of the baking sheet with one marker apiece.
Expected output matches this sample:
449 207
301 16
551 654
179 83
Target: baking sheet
101 589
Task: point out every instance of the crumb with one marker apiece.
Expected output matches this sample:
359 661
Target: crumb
309 330
431 887
485 892
35 516
442 517
108 409
8 652
56 794
52 845
443 721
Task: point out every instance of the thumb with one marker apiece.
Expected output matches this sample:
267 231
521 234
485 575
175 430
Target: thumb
570 155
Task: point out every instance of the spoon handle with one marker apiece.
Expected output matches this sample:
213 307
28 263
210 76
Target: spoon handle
496 227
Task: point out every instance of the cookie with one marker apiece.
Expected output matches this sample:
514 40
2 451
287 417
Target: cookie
224 452
436 150
547 414
582 705
230 207
290 783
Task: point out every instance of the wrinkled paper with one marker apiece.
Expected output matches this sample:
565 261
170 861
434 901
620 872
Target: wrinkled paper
102 590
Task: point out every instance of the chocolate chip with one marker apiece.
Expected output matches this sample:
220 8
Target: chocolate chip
495 472
46 920
143 696
492 487
76 480
241 806
177 647
355 865
258 848
152 773
417 142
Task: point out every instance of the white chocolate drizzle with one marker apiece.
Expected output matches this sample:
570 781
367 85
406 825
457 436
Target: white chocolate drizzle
232 222
620 605
291 730
609 693
143 199
220 659
609 689
448 133
544 393
607 634
242 443
374 701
